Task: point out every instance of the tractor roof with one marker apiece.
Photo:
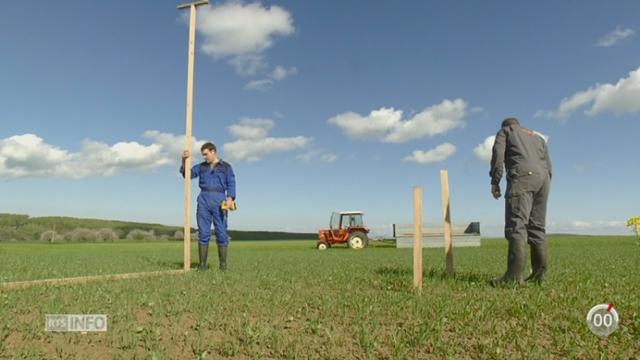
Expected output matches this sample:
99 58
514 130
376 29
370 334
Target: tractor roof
351 213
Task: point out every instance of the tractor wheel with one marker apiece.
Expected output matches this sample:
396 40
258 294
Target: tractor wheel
358 240
323 246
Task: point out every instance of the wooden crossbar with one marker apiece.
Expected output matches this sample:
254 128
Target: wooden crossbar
84 279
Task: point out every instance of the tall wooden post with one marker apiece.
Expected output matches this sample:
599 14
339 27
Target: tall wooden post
417 238
187 164
448 232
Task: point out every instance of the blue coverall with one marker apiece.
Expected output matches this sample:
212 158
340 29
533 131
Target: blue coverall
216 184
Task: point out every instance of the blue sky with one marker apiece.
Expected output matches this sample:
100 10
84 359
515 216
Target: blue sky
319 106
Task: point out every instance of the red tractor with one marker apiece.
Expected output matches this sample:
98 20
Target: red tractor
345 227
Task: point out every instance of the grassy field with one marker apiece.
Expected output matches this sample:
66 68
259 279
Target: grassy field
285 299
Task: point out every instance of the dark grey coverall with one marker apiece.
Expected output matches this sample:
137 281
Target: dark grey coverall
525 155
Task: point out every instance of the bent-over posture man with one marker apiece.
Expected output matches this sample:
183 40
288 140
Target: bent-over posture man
525 155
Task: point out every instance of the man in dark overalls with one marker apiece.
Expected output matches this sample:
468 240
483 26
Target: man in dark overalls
525 156
217 185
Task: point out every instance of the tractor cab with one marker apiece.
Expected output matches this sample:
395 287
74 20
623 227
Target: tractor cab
345 227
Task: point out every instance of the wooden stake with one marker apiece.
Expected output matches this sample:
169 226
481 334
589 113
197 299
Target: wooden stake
417 238
448 232
84 279
188 132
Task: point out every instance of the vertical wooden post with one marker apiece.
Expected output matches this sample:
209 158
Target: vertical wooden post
417 238
187 164
188 146
448 232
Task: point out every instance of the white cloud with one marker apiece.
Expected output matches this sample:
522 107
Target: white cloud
172 145
248 64
484 151
248 128
29 155
242 32
590 227
580 224
281 73
106 160
618 98
614 37
328 157
387 125
278 74
255 150
253 143
439 154
259 85
376 124
317 155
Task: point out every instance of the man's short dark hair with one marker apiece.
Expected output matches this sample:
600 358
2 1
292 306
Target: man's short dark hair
209 146
510 121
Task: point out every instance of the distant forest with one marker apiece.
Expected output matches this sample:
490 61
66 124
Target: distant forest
14 227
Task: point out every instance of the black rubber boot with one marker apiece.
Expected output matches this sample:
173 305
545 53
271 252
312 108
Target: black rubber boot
515 266
538 262
222 257
203 252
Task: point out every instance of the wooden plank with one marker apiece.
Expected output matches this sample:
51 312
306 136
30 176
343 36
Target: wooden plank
448 233
417 238
195 3
438 241
434 229
188 146
84 279
429 229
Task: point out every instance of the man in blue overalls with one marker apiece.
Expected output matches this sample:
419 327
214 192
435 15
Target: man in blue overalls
217 185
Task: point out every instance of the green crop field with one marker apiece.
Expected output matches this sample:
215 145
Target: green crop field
285 299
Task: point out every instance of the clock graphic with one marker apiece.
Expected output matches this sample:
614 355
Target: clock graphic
603 320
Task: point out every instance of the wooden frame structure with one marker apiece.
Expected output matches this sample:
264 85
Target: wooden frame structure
417 230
